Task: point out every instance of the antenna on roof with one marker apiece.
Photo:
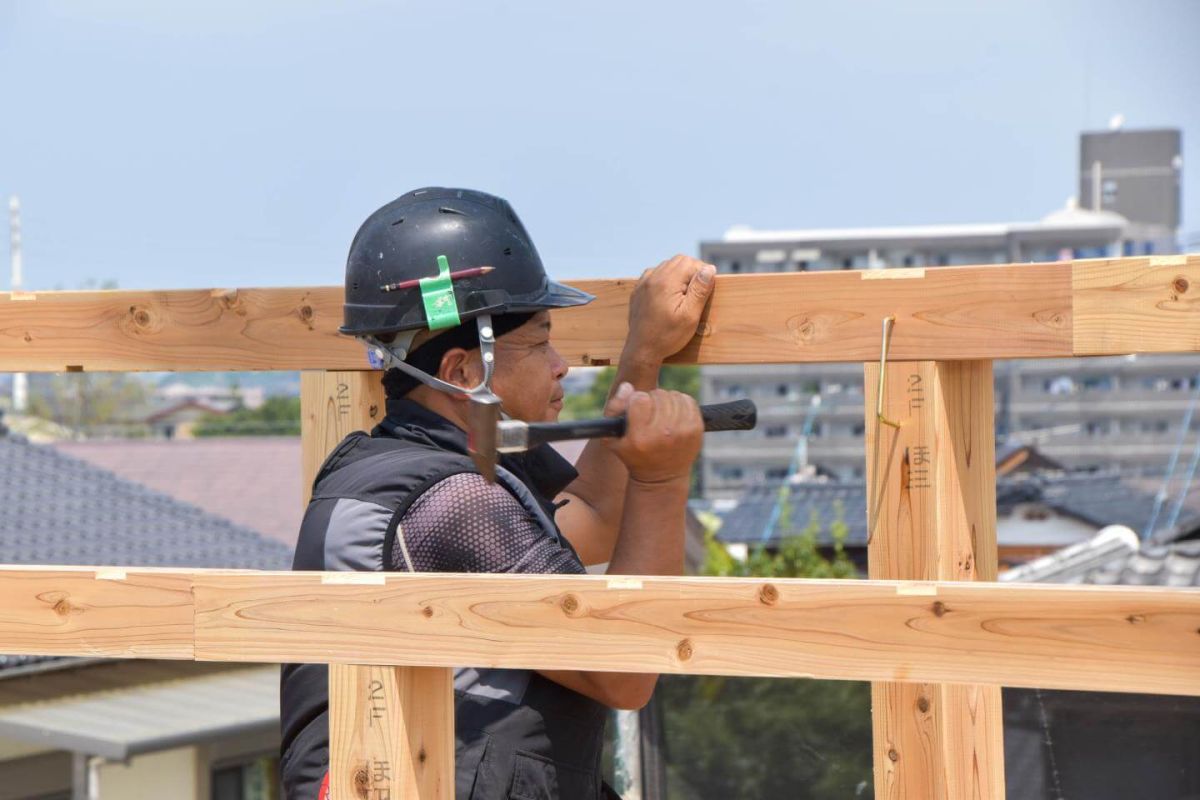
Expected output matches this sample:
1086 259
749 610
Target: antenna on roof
20 384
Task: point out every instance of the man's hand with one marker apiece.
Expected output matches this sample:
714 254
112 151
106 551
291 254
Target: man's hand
663 431
665 309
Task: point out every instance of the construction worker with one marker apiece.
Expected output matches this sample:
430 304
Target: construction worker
407 497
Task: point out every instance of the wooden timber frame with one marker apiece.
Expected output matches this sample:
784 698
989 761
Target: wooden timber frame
931 629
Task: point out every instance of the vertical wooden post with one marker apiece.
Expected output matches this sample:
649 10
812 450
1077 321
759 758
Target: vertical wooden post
931 508
391 729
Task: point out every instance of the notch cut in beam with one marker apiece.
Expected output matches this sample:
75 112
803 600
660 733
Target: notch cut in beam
1061 309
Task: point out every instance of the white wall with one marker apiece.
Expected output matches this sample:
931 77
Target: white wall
171 773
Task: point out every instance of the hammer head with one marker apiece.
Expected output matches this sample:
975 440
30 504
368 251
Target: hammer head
483 415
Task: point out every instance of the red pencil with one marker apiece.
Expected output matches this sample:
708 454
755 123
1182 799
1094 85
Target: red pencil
462 274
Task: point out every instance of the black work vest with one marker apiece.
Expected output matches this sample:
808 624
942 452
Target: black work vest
517 734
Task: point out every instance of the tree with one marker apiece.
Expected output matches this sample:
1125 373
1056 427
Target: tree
586 405
90 402
756 737
278 416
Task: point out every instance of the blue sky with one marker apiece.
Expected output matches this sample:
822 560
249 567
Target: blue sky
240 144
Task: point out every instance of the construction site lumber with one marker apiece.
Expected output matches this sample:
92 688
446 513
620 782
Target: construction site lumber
931 480
1119 638
1048 310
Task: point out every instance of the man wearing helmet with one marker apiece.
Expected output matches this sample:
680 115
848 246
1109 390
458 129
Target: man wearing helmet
448 293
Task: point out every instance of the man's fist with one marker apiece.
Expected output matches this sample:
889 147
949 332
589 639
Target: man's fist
665 309
663 431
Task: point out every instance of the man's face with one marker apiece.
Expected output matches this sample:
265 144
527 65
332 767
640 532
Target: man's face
529 372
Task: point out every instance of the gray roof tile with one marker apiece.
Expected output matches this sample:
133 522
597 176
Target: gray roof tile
60 510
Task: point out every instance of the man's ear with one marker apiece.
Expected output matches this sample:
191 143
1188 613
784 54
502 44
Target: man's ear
460 368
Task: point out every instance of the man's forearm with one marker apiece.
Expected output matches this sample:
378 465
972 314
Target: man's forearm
602 477
652 529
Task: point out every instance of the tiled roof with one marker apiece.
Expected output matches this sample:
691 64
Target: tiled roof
1097 498
253 481
1115 557
62 510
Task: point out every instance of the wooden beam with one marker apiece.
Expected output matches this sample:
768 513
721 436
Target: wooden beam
932 516
392 733
96 611
1103 306
1098 638
391 729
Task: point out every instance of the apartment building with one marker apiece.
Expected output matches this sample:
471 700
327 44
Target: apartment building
1080 412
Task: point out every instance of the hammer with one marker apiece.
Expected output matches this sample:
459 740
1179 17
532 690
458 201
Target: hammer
488 435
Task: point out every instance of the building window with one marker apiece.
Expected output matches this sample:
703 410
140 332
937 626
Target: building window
725 474
801 265
776 431
847 263
908 261
857 429
735 266
782 390
252 779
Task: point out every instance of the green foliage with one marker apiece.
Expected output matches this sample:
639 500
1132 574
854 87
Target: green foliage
87 401
278 416
590 404
754 737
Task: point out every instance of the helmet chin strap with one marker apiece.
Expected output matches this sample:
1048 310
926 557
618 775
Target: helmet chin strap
392 354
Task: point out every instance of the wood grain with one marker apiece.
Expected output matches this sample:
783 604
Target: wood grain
333 405
1099 638
392 733
944 313
1126 305
391 729
86 611
932 516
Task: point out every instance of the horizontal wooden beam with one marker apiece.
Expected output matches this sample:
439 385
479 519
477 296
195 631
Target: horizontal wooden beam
1066 308
1130 639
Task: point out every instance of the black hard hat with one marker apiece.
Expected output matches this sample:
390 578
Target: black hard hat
403 242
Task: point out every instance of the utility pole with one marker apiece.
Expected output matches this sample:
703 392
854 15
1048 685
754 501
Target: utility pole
20 385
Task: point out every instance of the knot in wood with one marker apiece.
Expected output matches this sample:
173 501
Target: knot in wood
421 756
362 782
1180 284
939 609
427 611
768 595
569 604
684 650
28 338
373 411
923 704
893 755
1134 619
306 313
63 607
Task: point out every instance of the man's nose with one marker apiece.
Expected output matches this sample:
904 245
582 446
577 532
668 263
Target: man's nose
561 368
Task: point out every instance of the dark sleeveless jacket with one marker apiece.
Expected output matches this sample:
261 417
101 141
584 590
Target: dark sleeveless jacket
517 734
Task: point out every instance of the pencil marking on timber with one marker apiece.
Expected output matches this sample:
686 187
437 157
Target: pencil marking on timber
343 400
376 701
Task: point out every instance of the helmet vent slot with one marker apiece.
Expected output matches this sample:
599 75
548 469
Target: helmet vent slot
508 251
448 210
397 222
